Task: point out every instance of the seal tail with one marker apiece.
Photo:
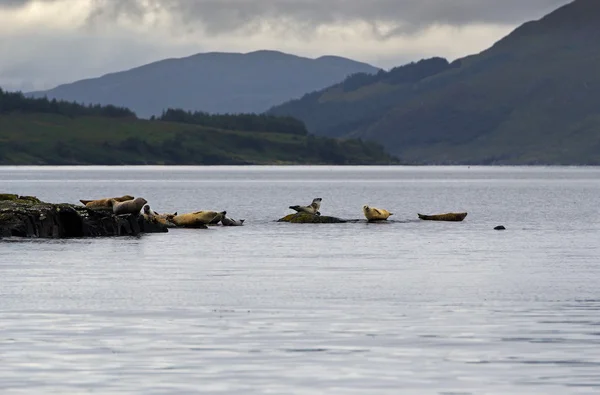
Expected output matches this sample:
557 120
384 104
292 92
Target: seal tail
297 208
84 202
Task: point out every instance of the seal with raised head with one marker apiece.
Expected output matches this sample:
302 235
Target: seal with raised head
375 214
313 208
148 211
105 203
198 219
232 222
150 215
129 206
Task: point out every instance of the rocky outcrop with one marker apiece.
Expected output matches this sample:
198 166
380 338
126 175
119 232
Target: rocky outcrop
27 216
306 218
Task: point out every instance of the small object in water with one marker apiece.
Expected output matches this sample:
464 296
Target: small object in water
500 227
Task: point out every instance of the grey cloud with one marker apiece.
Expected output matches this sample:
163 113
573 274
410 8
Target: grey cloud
19 3
302 17
223 16
47 58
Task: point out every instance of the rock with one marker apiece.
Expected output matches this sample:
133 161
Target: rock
20 199
27 216
306 218
500 227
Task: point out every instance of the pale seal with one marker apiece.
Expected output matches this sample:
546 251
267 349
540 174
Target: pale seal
313 208
198 219
375 214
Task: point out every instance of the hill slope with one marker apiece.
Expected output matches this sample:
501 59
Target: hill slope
40 131
211 82
533 97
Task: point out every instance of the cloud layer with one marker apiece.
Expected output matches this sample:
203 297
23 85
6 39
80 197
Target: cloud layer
45 42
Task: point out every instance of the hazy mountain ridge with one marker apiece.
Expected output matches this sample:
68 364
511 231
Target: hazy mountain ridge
213 82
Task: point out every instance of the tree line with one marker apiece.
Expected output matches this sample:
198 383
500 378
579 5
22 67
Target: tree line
239 122
18 102
11 102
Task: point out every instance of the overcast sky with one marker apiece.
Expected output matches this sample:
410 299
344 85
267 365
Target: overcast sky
47 42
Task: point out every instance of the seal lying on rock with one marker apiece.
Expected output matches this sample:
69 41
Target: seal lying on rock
198 219
129 206
166 219
105 203
313 208
232 222
375 214
163 219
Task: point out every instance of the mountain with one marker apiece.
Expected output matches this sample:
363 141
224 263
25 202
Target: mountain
50 132
532 98
211 82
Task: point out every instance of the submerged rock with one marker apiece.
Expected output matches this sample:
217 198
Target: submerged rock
26 216
306 218
500 227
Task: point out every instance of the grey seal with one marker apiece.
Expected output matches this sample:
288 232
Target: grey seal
232 222
313 208
128 207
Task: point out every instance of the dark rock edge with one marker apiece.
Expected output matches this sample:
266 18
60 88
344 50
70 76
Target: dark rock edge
27 216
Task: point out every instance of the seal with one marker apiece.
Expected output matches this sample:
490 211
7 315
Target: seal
152 216
232 222
166 219
313 208
129 206
218 218
198 219
148 211
105 203
375 214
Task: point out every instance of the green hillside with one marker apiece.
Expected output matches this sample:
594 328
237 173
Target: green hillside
41 132
532 98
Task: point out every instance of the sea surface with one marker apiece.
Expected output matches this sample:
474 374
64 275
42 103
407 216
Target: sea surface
405 307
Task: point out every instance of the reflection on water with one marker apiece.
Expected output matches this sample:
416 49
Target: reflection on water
409 307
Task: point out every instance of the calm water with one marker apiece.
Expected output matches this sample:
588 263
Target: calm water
406 307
